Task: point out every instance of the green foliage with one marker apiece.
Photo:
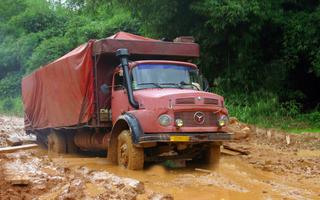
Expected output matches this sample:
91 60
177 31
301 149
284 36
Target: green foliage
47 51
9 8
10 85
36 32
253 49
265 110
11 106
312 118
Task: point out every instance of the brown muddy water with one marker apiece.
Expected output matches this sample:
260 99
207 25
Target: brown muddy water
235 179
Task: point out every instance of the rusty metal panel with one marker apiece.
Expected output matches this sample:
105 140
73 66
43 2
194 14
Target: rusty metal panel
91 141
147 48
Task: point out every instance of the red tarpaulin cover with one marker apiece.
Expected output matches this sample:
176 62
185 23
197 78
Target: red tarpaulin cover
60 93
128 36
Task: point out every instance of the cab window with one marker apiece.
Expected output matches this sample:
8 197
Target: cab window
118 82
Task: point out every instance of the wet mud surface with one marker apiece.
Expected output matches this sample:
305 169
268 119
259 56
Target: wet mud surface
235 179
278 166
79 177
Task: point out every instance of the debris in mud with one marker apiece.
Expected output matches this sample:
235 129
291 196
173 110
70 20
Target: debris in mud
236 150
14 141
26 175
203 170
240 130
276 151
109 180
16 148
19 180
159 196
10 127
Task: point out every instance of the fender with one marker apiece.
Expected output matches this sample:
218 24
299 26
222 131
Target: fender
133 124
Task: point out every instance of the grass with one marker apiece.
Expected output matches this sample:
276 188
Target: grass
265 110
307 130
11 106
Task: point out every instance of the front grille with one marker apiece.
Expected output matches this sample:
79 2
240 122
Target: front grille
211 101
210 119
185 101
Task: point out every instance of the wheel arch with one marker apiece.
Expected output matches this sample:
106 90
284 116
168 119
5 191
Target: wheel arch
126 121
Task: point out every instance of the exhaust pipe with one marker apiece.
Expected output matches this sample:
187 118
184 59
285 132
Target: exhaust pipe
123 54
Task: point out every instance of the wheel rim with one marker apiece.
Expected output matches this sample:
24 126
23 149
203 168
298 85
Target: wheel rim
124 158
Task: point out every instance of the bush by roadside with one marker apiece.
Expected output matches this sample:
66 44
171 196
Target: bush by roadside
11 106
265 110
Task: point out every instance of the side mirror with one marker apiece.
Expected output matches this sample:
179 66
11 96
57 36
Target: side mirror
205 83
104 88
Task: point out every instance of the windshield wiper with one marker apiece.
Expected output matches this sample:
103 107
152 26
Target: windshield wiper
193 85
155 84
176 84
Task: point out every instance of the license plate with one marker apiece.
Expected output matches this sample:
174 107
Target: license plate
179 138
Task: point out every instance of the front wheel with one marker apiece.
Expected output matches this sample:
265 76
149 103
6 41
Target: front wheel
129 156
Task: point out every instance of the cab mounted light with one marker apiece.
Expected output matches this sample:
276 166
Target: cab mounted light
179 123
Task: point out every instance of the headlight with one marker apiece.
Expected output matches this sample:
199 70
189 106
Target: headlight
164 120
223 120
179 122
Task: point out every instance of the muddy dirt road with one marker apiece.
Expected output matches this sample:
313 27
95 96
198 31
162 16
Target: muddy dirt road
235 179
277 166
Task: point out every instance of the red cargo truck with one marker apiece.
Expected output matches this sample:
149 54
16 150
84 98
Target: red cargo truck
137 98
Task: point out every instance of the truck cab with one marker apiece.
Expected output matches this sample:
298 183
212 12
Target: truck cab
172 115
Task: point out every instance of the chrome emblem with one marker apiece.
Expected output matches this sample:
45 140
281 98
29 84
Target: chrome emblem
198 117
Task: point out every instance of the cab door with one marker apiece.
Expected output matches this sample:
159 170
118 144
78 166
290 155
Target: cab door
119 100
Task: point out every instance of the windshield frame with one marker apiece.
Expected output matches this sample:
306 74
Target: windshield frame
180 85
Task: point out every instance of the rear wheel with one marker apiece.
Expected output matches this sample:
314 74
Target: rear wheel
71 146
56 142
42 140
211 155
129 156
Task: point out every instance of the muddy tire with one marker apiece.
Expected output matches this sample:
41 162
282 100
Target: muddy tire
129 156
42 140
211 155
56 142
71 146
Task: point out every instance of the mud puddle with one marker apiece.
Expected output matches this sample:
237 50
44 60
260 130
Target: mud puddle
235 179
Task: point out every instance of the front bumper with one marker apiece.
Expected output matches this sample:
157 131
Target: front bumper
185 137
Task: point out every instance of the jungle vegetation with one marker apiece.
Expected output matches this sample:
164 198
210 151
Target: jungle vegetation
263 56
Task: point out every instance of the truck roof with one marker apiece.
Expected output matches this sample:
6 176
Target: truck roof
142 46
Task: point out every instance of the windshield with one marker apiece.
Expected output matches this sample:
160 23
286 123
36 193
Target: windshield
165 76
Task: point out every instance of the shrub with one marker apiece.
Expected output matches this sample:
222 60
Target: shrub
11 106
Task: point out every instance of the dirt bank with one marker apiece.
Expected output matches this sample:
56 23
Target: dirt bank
281 152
